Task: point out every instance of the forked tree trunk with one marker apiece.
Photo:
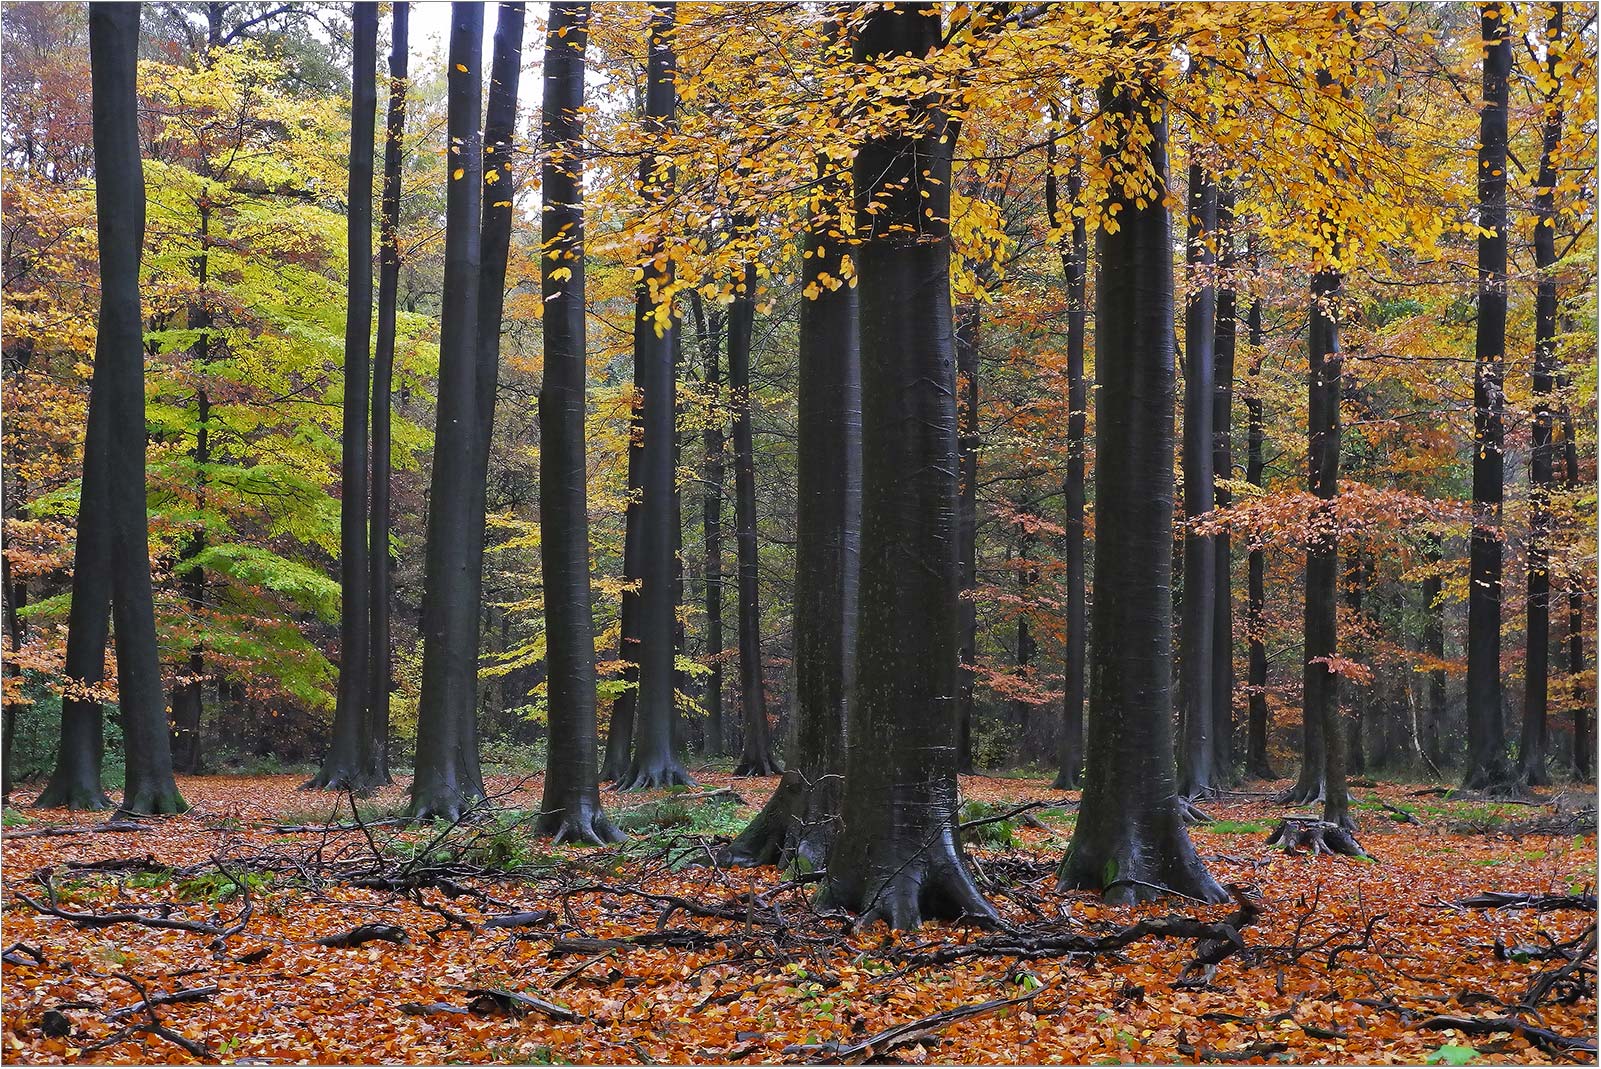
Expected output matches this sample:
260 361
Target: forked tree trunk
897 856
1130 842
448 777
571 810
111 565
348 765
655 762
1487 766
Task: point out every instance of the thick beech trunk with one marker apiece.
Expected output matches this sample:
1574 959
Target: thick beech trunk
756 751
1196 657
1223 469
1258 721
111 566
1075 263
966 341
802 818
1537 660
714 738
1130 842
448 778
348 764
655 762
376 733
1487 766
571 810
897 856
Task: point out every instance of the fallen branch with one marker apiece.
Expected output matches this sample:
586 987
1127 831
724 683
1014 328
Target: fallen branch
365 933
490 1000
188 994
1540 903
1547 1040
78 829
881 1043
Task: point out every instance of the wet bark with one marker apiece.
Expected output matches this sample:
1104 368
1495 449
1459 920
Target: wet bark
347 765
1487 767
111 566
655 762
571 810
1130 842
448 777
897 856
1196 657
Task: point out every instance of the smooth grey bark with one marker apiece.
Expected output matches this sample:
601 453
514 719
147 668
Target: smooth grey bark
1487 766
448 778
713 738
1196 657
897 857
571 810
1223 339
1130 842
376 732
111 564
347 765
655 762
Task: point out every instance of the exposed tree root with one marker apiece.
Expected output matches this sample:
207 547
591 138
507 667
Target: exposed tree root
799 820
1192 813
760 765
667 773
907 882
587 825
77 798
1319 836
152 802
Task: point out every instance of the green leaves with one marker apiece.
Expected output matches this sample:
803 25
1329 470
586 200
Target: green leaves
1451 1054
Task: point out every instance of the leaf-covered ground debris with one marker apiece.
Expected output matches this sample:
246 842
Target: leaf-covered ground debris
1466 938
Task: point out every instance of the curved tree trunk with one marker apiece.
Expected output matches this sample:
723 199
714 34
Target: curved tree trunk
1075 262
1223 469
802 818
756 752
376 732
655 762
1257 764
1487 760
1196 759
112 560
1536 677
448 778
571 810
347 765
1130 842
897 856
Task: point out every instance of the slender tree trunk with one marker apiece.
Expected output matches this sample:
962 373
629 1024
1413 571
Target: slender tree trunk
1075 261
16 597
1583 710
376 732
1257 764
1355 589
571 810
802 817
967 368
655 763
897 857
1434 648
1130 843
1532 749
347 765
1196 657
1487 760
187 705
1223 469
111 567
756 753
620 732
714 741
448 778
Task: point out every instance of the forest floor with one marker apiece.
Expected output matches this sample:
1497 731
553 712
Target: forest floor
483 944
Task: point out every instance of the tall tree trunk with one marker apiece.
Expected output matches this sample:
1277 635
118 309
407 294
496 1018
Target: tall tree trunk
111 566
655 763
448 777
16 597
1531 751
1487 760
376 732
1223 469
1584 725
1130 842
802 817
187 705
1320 698
1196 658
714 741
1356 582
966 341
571 810
620 731
1075 263
756 752
1257 764
347 765
1434 649
897 857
